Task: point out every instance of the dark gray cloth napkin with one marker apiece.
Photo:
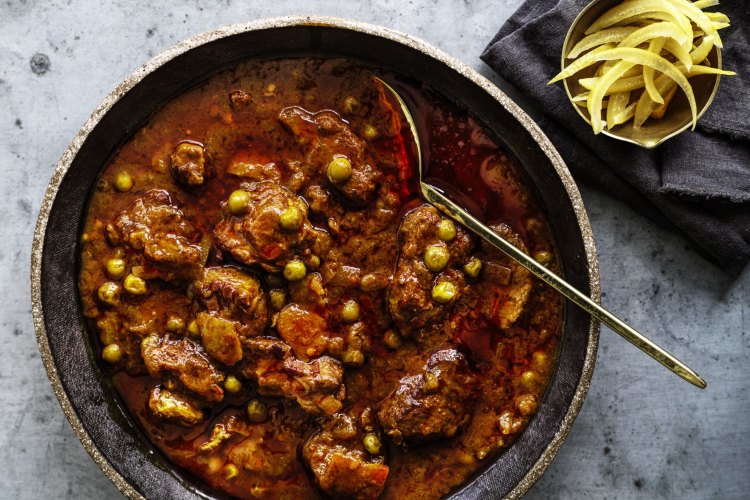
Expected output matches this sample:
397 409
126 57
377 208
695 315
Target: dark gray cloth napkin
698 182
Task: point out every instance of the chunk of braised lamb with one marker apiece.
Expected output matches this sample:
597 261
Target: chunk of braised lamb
315 385
356 344
268 456
232 294
325 135
220 338
158 230
239 99
420 228
185 359
432 404
219 435
504 285
309 292
342 467
267 449
410 300
175 407
189 164
304 331
257 236
255 171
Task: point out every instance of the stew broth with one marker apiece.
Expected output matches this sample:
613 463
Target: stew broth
283 327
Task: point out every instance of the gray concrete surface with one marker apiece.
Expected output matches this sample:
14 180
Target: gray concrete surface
642 433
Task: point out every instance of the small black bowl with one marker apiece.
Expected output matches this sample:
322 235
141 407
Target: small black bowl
86 394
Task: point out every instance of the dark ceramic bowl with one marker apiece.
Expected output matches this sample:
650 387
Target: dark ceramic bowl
86 395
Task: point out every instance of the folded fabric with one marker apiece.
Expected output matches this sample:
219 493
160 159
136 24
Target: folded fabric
698 182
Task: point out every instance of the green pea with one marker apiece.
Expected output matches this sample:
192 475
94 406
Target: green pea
193 329
350 311
232 385
370 132
431 382
354 357
112 353
277 298
230 471
175 324
446 230
369 283
443 292
238 202
115 268
436 257
291 219
351 104
543 257
372 444
540 360
392 339
295 270
123 182
473 267
134 285
314 261
109 293
339 170
256 411
529 379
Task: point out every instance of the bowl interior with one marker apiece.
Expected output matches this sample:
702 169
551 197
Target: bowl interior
115 441
653 132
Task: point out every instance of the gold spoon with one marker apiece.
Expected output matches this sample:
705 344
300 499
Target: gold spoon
457 213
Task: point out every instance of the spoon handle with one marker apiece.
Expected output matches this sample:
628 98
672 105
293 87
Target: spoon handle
437 198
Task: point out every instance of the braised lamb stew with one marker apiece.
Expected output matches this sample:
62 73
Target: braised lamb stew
285 318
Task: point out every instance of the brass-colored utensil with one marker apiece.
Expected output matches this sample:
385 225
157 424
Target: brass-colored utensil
436 196
677 118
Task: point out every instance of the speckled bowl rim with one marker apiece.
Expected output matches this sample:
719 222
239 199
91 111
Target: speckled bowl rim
155 63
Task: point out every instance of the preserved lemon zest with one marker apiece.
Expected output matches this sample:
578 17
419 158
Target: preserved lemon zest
636 70
704 70
583 103
645 105
693 13
680 52
704 4
659 111
633 8
647 18
673 30
611 35
621 85
597 95
636 82
626 114
581 97
717 17
663 29
635 56
655 47
617 104
700 53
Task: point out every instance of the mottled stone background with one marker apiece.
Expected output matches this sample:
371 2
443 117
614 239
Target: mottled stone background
642 433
